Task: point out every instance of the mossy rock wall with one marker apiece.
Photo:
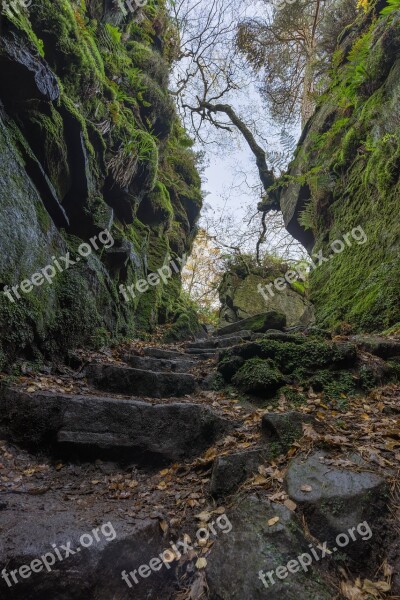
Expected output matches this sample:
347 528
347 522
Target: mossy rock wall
346 177
90 141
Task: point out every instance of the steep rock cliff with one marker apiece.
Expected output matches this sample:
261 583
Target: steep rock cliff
346 176
90 142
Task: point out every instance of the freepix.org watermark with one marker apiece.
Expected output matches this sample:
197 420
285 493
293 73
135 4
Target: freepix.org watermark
304 561
49 272
178 549
130 5
13 7
48 560
163 274
300 271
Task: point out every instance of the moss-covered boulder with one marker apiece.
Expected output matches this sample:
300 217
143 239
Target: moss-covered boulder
258 376
244 293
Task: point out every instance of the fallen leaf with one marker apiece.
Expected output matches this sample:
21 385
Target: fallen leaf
164 525
375 587
290 504
204 516
306 488
350 592
201 563
273 521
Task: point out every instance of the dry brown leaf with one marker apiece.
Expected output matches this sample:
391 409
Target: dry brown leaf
351 592
375 587
260 480
201 563
164 525
204 516
306 488
290 504
309 432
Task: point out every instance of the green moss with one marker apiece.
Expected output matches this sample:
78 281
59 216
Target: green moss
258 376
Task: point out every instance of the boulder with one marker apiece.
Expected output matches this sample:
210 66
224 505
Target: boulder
282 430
335 499
132 430
252 548
258 323
248 295
94 571
259 377
232 470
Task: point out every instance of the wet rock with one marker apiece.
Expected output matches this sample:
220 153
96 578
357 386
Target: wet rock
253 546
99 426
282 430
139 382
335 499
232 470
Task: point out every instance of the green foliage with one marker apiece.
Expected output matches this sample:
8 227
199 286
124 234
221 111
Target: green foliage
258 376
391 7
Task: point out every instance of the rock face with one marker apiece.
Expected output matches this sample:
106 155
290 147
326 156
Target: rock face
90 572
335 499
85 151
231 577
241 297
344 214
131 429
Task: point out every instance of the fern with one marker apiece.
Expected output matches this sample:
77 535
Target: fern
392 6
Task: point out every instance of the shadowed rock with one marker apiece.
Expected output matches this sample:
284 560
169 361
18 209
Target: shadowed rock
134 430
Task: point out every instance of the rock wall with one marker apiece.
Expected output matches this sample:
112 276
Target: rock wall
346 175
90 142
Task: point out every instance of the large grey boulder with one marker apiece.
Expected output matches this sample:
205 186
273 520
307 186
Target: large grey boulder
244 296
254 546
335 499
131 429
233 469
118 544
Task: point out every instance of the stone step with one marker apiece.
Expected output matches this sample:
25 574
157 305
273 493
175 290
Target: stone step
181 365
217 342
132 429
139 382
155 352
202 351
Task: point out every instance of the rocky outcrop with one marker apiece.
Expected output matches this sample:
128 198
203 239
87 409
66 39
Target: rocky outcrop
344 185
90 142
243 295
